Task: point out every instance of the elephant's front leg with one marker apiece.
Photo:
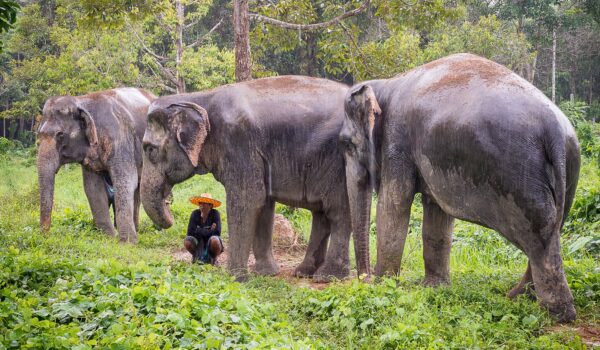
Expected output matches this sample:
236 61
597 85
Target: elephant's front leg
125 183
95 190
317 246
393 216
242 216
337 260
437 241
263 242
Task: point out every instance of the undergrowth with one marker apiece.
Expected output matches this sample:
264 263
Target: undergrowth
77 288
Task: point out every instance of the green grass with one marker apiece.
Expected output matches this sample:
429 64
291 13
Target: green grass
77 288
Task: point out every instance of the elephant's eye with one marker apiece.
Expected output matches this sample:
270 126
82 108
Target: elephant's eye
151 150
60 137
346 142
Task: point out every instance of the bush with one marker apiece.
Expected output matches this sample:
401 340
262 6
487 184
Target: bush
7 145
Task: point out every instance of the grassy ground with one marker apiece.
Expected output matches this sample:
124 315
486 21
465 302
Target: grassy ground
77 288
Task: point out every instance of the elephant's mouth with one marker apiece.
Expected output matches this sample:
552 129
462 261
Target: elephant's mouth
167 218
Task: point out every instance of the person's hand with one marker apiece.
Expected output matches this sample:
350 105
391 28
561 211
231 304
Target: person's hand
213 226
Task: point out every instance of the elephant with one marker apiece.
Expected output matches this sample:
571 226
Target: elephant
480 144
103 132
266 140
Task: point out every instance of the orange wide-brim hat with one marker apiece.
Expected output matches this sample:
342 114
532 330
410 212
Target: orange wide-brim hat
205 198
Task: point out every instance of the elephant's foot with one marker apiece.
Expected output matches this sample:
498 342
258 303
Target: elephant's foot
266 267
527 289
390 270
563 312
435 281
108 230
525 286
305 270
240 274
330 272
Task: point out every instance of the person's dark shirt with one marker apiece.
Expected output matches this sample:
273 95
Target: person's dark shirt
202 229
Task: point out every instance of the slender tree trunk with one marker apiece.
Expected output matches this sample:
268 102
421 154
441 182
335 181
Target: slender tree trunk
4 127
179 45
554 65
241 28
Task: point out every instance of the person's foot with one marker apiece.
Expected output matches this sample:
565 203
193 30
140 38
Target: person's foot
215 248
191 245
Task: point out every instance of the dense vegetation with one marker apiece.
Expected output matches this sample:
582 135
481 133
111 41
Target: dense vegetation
73 47
77 288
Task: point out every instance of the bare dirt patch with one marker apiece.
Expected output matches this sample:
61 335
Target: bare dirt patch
288 250
589 333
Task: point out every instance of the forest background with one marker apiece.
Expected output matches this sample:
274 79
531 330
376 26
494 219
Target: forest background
72 47
77 288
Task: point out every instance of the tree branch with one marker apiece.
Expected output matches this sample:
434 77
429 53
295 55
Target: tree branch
360 53
205 36
164 26
314 26
146 48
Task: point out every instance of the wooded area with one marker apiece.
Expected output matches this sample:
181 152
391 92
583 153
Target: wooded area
73 47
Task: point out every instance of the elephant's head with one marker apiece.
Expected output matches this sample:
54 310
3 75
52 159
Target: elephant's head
173 140
67 134
356 137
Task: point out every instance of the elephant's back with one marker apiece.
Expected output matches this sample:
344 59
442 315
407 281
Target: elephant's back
494 129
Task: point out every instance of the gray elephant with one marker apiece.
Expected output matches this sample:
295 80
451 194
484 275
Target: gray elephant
102 131
265 140
480 144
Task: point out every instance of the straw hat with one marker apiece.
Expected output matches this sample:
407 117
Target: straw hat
205 198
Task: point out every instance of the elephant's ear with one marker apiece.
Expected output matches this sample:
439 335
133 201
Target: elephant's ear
364 106
88 125
191 126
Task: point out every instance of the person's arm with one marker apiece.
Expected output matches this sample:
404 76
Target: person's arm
216 231
191 230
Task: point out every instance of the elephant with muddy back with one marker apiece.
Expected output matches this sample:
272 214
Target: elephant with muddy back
265 140
102 131
480 144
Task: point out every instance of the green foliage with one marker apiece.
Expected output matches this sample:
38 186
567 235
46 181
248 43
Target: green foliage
488 37
8 15
78 288
57 50
589 140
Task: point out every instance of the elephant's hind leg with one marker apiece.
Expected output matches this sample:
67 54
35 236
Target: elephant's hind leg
263 242
95 190
437 241
550 281
317 246
525 286
337 260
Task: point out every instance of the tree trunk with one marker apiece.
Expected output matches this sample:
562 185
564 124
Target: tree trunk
180 85
554 65
241 28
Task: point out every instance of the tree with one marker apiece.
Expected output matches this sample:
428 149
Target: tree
171 25
8 15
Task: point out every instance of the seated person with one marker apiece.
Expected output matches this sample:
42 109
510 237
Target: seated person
203 239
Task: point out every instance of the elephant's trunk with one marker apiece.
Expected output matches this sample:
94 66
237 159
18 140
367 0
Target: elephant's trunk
48 162
155 191
359 195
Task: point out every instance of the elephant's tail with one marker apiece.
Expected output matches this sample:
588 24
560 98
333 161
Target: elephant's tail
573 162
564 173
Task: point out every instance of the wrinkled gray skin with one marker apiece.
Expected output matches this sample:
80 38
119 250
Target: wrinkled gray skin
481 144
265 140
102 131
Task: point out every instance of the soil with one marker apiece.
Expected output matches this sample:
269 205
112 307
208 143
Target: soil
288 250
589 333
